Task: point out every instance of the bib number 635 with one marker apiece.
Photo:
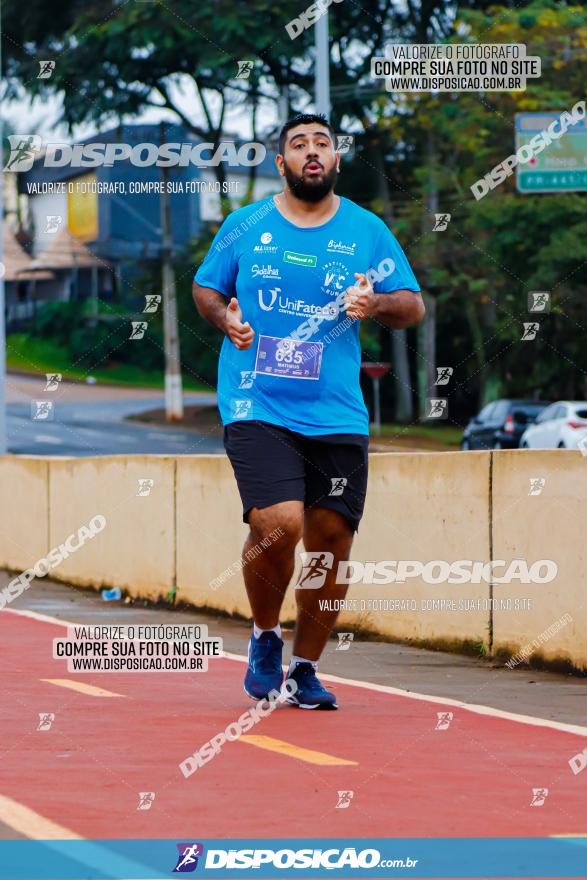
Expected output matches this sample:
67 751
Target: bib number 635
286 353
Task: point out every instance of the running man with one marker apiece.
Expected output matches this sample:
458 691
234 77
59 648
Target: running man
288 281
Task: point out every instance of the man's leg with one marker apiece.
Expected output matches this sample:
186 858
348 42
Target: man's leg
268 574
324 530
275 531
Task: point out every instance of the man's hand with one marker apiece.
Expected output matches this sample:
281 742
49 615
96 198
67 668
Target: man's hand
360 300
240 334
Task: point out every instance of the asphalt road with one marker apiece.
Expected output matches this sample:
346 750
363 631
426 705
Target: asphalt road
88 420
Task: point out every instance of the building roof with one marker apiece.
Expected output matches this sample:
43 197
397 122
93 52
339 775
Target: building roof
66 251
17 263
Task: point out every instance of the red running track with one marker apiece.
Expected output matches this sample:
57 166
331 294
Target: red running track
410 780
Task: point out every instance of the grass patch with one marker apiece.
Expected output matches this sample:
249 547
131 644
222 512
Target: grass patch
448 436
44 356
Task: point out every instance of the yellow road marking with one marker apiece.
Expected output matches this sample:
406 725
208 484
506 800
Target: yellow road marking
285 748
80 686
34 826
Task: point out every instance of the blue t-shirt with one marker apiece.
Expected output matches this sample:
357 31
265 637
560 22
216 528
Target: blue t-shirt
302 371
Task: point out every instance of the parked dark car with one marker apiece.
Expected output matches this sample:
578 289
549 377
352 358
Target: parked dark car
500 424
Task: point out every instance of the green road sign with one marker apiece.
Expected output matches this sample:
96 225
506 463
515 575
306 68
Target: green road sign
561 166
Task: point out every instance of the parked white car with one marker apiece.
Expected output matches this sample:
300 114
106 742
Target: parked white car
561 425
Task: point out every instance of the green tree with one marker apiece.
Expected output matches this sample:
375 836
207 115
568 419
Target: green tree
498 249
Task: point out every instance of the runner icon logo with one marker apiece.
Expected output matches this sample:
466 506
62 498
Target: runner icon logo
437 408
53 224
338 484
539 301
46 719
441 222
443 375
247 377
23 151
146 799
152 301
145 487
539 795
530 331
46 68
53 380
244 69
344 641
138 329
41 410
315 565
344 144
344 799
444 719
537 484
187 861
241 408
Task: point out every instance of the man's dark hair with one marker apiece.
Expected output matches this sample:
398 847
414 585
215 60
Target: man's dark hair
305 119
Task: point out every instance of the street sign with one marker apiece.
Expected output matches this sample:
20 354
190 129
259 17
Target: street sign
375 372
561 166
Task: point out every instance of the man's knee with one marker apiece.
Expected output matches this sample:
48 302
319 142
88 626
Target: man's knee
278 528
328 530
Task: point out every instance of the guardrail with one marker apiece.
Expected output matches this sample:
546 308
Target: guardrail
176 523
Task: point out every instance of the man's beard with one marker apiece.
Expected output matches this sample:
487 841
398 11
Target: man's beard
313 189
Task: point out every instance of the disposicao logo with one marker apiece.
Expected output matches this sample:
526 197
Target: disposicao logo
187 860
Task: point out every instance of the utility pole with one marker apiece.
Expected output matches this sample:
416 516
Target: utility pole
173 386
427 329
3 448
322 74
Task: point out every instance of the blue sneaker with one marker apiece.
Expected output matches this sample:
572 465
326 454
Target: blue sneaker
310 693
264 673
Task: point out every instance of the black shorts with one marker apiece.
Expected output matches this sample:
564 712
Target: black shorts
272 464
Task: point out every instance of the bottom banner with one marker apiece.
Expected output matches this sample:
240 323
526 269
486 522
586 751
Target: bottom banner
530 857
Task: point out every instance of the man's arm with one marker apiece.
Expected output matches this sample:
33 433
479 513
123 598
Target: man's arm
226 316
399 309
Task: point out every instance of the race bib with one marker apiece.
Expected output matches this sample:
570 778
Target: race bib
289 357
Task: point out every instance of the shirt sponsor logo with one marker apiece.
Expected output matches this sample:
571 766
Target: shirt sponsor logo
265 271
340 247
265 247
267 306
335 277
268 300
300 259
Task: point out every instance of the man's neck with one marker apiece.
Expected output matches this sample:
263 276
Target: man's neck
303 213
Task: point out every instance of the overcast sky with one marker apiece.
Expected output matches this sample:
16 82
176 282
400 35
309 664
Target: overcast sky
40 116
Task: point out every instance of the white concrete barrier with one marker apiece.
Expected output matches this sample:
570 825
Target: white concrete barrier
178 521
548 524
136 549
